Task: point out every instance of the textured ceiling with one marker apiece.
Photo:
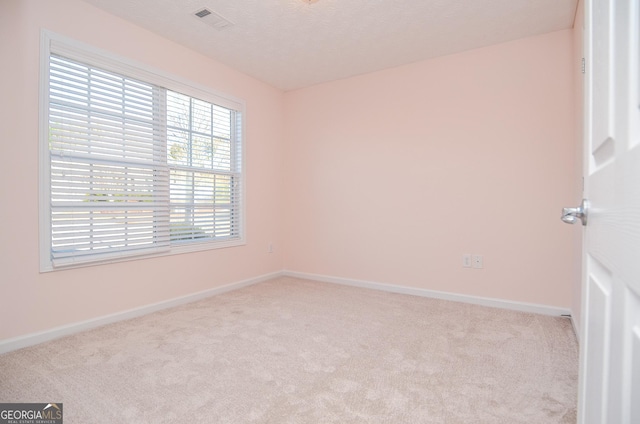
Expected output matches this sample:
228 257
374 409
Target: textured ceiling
292 44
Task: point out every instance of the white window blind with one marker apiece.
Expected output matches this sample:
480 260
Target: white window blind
108 183
133 167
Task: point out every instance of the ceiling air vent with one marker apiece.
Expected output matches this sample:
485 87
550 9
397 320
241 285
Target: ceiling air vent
212 19
203 13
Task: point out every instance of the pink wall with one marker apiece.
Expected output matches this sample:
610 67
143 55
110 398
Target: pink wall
392 176
30 301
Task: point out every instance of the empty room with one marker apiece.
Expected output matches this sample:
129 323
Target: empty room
320 211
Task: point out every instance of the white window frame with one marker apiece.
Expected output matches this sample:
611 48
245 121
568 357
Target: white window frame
52 43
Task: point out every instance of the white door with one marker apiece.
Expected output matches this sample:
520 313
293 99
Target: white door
610 337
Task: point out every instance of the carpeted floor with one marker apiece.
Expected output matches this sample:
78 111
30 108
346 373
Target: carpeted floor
297 351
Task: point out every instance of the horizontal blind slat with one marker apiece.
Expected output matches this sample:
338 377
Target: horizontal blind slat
80 157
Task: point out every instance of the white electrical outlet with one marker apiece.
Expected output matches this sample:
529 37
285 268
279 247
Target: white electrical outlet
270 248
477 261
466 260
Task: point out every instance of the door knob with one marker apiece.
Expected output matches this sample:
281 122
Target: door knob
572 215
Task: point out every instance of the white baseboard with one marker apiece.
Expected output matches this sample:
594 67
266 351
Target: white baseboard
476 300
9 345
20 342
576 330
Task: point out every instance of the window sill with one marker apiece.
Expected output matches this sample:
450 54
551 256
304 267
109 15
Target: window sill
175 250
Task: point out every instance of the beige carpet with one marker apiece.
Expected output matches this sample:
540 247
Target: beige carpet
296 351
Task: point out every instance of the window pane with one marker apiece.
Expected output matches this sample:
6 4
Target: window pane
178 147
201 117
201 205
221 122
178 106
202 148
221 154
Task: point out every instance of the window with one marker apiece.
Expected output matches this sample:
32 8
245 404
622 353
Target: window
133 162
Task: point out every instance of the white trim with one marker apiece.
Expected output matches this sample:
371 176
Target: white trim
476 300
20 342
174 250
576 330
44 177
